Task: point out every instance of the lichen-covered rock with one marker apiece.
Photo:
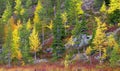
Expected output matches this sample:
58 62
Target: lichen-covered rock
78 42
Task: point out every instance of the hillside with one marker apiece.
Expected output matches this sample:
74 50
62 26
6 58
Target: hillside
60 33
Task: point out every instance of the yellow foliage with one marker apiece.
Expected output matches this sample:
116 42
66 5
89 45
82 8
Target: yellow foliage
22 11
111 40
66 61
50 26
29 25
88 51
78 7
19 24
100 38
18 6
103 8
104 55
16 53
115 4
36 18
119 24
34 41
36 15
12 25
38 7
70 41
64 17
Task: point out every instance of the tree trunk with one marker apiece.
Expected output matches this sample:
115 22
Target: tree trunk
100 54
42 34
35 57
9 60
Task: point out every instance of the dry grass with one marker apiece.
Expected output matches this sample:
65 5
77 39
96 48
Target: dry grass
57 67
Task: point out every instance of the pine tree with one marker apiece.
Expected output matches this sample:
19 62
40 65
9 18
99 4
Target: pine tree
34 42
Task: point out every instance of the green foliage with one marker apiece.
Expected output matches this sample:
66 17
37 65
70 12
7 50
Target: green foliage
20 10
114 18
107 2
7 13
1 32
59 34
6 54
80 27
37 18
24 43
73 10
115 56
28 3
2 6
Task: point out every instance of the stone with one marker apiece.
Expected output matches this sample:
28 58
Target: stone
41 61
79 57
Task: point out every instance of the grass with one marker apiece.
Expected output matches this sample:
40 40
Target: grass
58 67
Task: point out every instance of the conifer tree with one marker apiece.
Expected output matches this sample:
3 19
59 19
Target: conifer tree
80 27
24 32
19 10
16 52
59 34
39 25
73 10
34 42
7 13
38 8
100 39
114 54
7 45
114 4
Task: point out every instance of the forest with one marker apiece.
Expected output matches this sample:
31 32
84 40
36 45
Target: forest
59 35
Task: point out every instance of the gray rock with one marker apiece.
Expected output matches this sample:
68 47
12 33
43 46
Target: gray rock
92 6
82 41
79 57
41 61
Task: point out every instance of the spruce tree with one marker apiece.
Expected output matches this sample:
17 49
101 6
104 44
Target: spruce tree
73 10
6 50
59 34
24 42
